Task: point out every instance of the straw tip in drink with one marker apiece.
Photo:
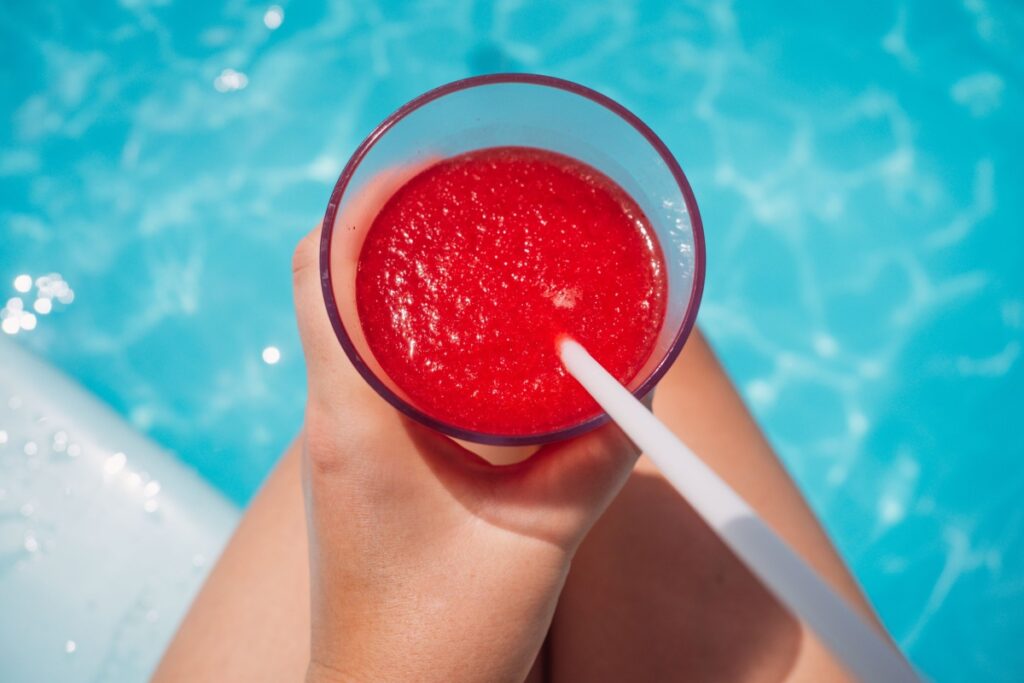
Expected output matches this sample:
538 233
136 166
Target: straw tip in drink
564 342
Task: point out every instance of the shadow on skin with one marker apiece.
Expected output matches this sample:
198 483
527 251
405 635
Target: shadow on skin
650 580
656 585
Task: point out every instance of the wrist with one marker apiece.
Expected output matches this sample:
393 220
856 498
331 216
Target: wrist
481 625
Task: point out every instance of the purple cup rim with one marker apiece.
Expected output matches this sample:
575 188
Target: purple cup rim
348 171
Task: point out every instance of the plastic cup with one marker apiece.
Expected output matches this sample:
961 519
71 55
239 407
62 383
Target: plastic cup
518 110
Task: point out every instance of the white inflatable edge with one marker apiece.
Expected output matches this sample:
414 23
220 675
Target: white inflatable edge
104 536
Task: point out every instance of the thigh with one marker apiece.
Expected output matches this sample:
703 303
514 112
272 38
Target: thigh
654 595
250 621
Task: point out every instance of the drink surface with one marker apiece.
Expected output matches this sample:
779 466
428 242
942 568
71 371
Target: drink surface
472 270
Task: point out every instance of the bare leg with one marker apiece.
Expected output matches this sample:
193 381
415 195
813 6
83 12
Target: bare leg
654 595
250 621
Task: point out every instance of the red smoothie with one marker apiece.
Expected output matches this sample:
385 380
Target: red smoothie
473 269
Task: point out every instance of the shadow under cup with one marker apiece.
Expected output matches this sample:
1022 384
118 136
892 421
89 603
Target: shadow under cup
512 110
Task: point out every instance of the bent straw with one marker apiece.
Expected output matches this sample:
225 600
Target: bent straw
862 649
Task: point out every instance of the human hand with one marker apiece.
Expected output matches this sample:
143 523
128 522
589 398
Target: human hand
428 563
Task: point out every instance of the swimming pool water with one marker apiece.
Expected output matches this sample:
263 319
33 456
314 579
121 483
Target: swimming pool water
858 170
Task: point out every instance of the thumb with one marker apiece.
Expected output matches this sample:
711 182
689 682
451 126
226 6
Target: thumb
314 326
328 371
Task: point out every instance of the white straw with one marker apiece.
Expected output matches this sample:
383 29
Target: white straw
861 648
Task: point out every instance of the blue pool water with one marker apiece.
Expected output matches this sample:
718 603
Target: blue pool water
859 173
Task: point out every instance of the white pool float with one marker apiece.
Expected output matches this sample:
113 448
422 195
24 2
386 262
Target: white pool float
104 537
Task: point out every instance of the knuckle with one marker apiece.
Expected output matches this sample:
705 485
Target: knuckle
338 433
324 450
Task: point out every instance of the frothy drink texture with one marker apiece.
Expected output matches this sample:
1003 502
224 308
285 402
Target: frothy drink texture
473 269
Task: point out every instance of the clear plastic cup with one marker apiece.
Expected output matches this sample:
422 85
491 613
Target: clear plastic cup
512 110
